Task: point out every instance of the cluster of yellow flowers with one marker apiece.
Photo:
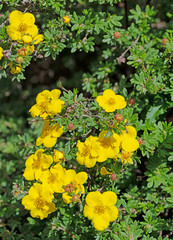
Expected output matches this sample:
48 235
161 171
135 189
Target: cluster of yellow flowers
52 177
23 30
46 169
99 149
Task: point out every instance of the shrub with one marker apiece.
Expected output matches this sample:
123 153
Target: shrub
106 141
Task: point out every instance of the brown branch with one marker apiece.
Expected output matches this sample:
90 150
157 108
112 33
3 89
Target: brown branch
126 13
121 58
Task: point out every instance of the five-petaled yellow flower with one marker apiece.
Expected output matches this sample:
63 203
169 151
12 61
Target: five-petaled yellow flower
54 178
100 208
110 145
109 101
49 134
73 184
90 152
47 104
39 201
22 26
36 164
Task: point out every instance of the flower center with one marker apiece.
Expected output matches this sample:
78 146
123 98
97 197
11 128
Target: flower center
111 101
86 150
22 27
106 142
100 209
51 179
46 131
126 155
39 203
36 163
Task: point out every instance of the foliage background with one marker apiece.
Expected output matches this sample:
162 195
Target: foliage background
85 55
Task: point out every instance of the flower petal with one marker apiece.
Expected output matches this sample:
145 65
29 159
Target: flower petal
93 198
81 177
100 223
109 198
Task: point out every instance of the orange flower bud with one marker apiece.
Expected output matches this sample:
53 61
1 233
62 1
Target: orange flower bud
75 198
22 52
19 59
118 117
71 126
164 41
140 141
113 176
132 101
117 35
69 188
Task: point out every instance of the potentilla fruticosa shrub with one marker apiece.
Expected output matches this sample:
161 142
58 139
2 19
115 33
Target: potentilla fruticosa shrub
95 165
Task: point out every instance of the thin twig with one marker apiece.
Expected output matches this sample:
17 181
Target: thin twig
123 54
60 85
4 22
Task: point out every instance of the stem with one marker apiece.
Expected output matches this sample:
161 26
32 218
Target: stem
119 59
126 13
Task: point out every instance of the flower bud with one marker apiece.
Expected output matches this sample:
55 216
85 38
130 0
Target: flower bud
19 59
132 101
22 52
113 176
66 19
75 198
117 35
69 188
118 117
140 141
71 126
164 41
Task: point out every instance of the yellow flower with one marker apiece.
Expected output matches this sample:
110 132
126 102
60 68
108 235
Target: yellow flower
73 184
66 19
36 164
15 69
125 157
49 134
58 156
110 145
128 141
90 152
37 39
1 53
30 49
109 101
103 171
54 178
100 209
20 25
39 201
26 38
47 104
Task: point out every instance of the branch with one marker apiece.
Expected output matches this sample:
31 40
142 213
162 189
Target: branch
126 13
122 57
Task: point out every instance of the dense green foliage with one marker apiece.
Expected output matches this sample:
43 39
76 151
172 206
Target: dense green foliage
82 59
